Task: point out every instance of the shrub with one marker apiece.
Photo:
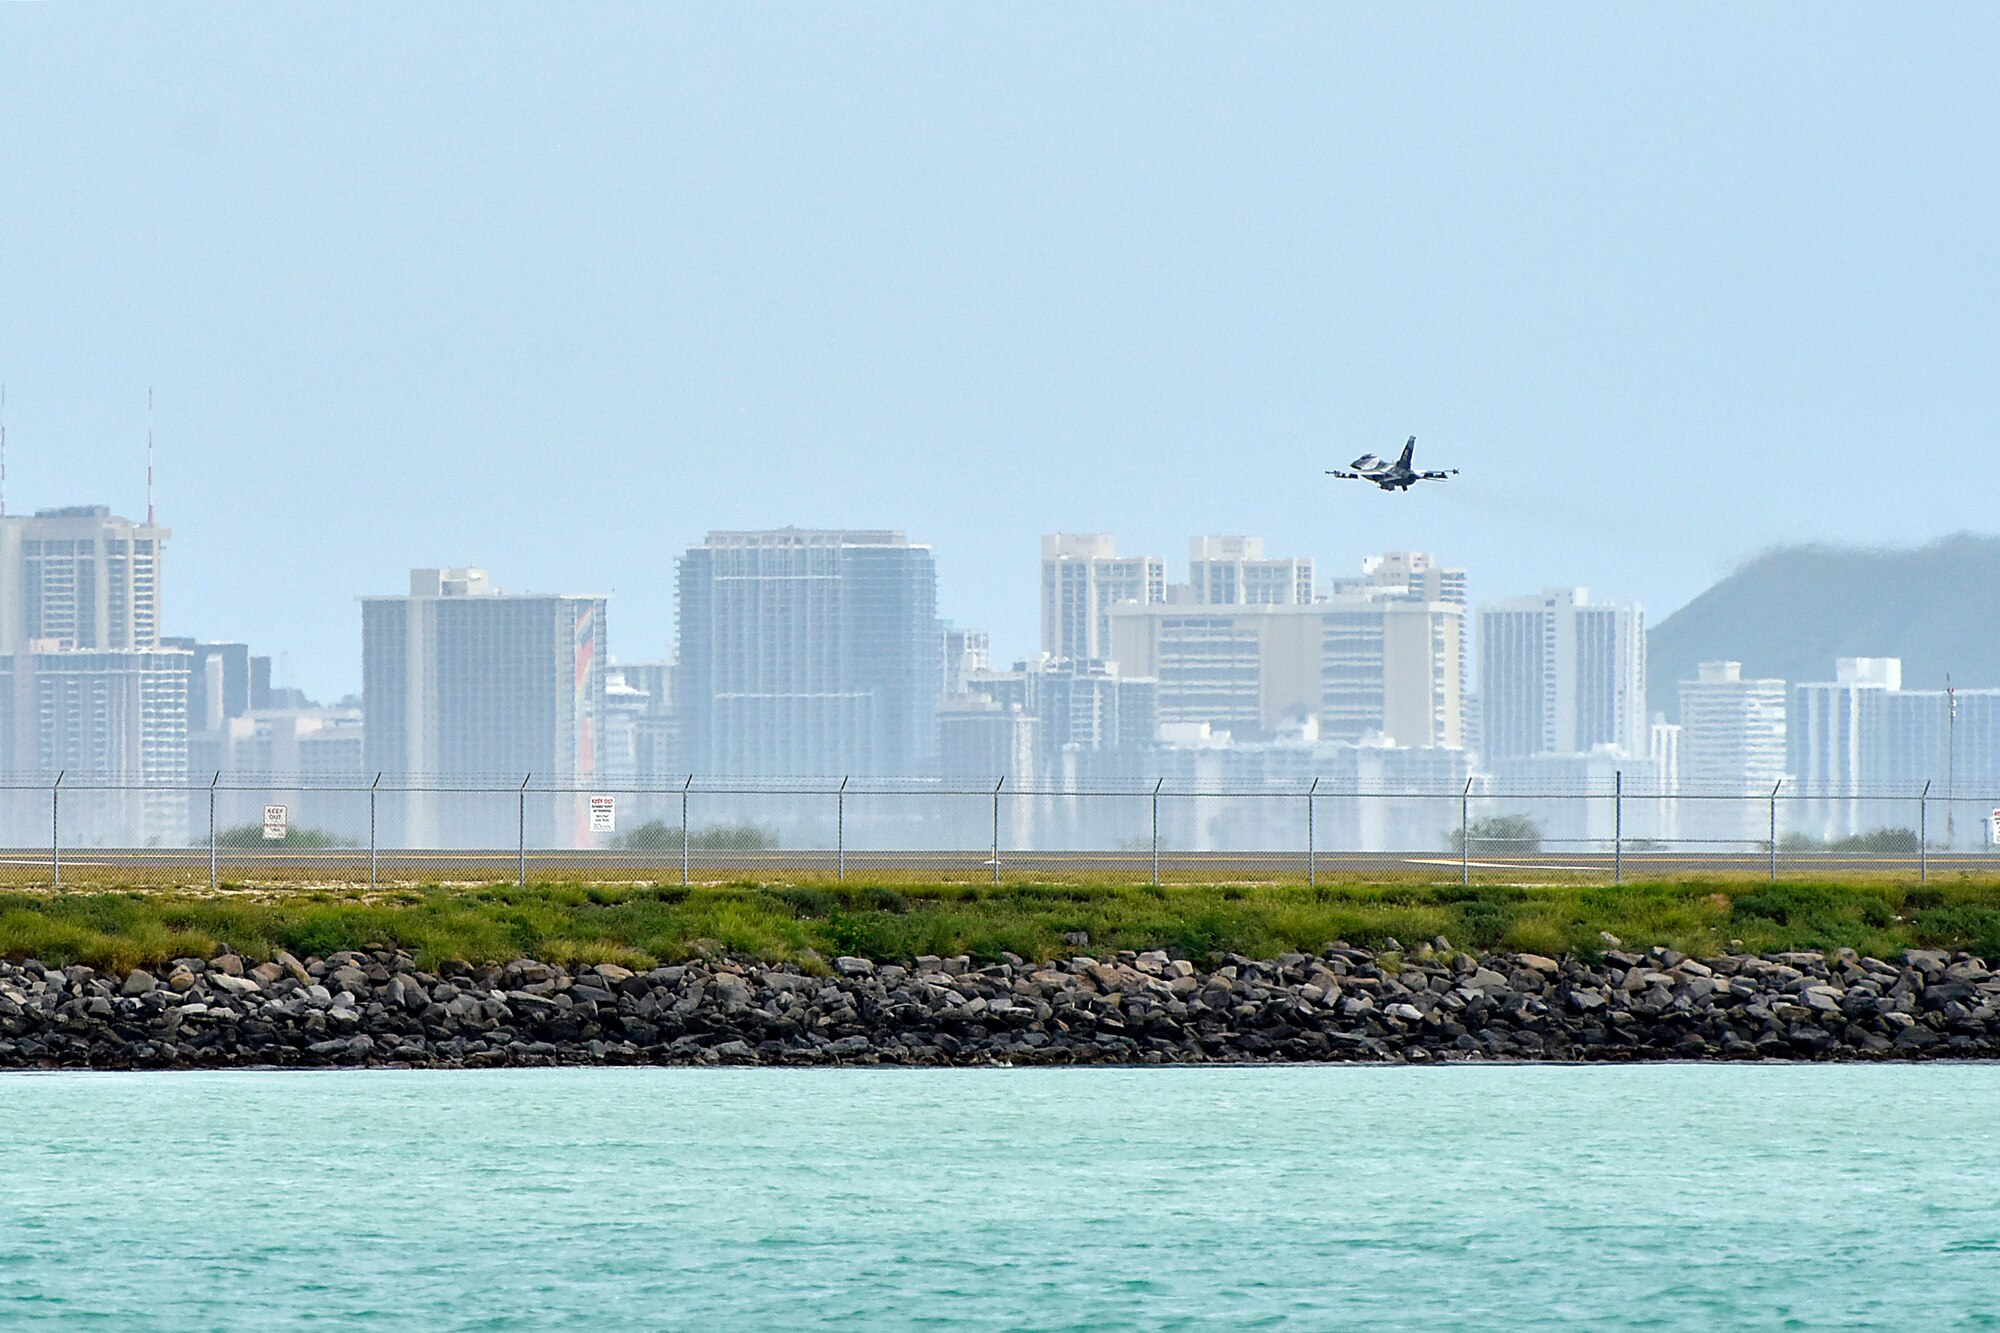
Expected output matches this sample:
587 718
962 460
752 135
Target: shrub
657 835
251 836
1510 835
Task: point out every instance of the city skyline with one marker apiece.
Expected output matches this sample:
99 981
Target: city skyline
809 654
1155 573
727 288
1016 622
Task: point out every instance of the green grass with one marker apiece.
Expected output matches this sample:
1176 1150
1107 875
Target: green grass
810 924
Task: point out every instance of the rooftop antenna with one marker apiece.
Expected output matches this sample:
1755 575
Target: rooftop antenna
3 451
149 455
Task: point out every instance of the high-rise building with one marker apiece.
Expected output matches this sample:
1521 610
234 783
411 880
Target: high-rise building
1232 571
639 738
1413 575
1944 740
1382 668
808 653
1074 706
965 652
982 740
1828 727
79 578
114 718
218 681
460 681
1732 745
283 744
1663 747
1862 750
1561 674
1083 577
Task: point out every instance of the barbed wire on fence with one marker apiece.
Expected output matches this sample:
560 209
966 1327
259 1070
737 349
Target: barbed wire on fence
1481 785
299 827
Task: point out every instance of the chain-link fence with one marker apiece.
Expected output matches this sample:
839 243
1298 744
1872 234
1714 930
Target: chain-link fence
244 832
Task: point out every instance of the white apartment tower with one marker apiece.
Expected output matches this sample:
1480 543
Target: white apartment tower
1083 577
88 689
1232 571
1409 574
1827 729
462 682
1732 745
114 718
1380 668
79 578
1559 674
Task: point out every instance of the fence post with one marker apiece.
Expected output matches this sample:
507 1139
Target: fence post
55 830
1774 829
211 831
1618 827
996 829
1465 834
521 833
1924 833
1156 832
1312 863
840 833
371 829
684 829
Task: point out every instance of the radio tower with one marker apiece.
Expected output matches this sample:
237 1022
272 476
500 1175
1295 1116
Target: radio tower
1950 758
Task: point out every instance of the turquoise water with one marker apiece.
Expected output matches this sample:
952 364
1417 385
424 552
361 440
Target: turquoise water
1664 1196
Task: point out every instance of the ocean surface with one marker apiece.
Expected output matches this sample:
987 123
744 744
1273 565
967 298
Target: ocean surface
1662 1196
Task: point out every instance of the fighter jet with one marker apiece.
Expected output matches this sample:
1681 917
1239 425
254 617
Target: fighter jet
1396 476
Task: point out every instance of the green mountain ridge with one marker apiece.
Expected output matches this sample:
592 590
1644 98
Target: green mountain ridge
1790 611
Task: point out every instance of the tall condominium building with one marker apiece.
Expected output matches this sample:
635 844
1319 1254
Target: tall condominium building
808 653
1663 747
1732 744
105 717
79 578
1861 748
1364 667
460 681
965 651
1083 577
219 684
1408 574
639 742
1076 705
1827 729
280 744
981 740
1561 674
1949 739
1232 571
110 714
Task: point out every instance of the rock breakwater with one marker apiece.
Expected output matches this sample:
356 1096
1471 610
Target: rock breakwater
1425 1004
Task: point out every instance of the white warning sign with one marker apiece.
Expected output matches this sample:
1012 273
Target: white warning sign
603 814
277 820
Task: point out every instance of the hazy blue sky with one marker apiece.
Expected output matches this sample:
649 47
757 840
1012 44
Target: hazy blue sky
554 290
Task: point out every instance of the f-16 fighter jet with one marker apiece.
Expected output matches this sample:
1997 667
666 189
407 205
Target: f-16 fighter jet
1396 476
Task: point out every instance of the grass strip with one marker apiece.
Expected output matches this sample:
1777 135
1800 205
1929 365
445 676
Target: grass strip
643 925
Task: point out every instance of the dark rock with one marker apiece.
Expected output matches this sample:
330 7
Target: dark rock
1134 1007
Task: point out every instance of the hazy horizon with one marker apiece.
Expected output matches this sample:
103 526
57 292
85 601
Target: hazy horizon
557 293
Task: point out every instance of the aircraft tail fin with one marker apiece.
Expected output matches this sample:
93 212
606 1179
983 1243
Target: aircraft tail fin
1408 450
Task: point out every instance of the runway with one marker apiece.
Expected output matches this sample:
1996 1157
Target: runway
350 865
